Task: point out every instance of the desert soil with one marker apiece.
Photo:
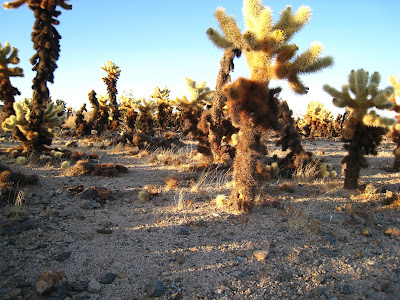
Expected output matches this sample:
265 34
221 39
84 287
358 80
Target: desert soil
303 240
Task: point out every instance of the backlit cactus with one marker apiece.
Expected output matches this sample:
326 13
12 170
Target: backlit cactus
45 40
396 127
363 129
145 121
127 108
164 108
252 106
318 121
50 124
8 56
113 73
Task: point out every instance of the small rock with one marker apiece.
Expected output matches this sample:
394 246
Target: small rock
365 232
261 255
108 278
239 274
180 259
63 256
78 286
93 286
69 240
321 279
183 231
286 275
89 194
65 213
155 289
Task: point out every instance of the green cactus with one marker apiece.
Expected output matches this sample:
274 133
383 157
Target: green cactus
113 73
47 48
362 130
21 120
8 56
252 106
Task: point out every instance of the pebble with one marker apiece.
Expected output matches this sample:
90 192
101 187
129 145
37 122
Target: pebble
261 255
93 286
155 289
108 278
63 256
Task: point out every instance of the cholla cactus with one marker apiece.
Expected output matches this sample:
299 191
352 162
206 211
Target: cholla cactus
113 73
145 122
128 106
396 127
362 130
45 40
191 113
8 56
318 120
266 45
252 106
50 124
161 96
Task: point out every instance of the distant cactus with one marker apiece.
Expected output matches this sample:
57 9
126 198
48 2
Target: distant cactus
113 73
45 38
252 106
191 112
164 109
396 127
8 56
363 129
127 108
145 121
318 120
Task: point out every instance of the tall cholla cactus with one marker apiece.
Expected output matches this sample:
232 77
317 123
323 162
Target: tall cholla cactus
252 105
362 130
396 127
113 73
46 42
8 56
161 96
50 125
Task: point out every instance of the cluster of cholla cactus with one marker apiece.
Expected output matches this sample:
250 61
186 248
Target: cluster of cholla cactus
191 110
318 122
145 121
252 106
45 40
21 120
396 127
164 108
8 56
113 73
127 109
363 129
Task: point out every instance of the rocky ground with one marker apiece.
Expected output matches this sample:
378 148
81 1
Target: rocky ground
157 231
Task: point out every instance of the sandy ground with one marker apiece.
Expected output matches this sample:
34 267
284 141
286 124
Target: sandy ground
303 240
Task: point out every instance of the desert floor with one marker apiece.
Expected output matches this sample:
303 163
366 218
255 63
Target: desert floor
303 239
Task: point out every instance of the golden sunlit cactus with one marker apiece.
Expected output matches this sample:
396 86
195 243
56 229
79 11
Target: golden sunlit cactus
266 45
8 56
50 125
113 73
46 42
363 129
145 121
161 96
128 106
252 106
192 110
396 127
318 121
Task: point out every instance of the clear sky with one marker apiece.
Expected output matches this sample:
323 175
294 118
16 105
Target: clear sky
159 43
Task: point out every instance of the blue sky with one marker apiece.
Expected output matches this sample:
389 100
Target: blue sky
159 43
